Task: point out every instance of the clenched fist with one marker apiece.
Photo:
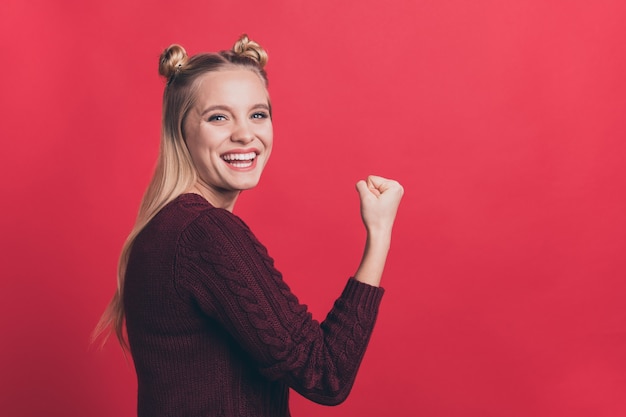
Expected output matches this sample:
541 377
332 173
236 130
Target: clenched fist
380 198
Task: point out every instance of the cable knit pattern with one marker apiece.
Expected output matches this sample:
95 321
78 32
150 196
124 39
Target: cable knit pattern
215 331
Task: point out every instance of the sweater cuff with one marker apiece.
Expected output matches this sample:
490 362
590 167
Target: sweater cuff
362 294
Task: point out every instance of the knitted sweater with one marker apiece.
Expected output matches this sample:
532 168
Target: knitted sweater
215 331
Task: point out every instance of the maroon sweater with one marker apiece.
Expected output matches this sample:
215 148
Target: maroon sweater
214 330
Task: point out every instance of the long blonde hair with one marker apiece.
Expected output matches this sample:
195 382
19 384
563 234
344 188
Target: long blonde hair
175 172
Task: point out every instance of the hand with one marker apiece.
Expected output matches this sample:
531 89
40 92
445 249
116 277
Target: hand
380 198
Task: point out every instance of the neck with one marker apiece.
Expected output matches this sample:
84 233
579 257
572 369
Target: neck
218 198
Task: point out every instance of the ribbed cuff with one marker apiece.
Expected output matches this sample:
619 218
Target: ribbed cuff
362 294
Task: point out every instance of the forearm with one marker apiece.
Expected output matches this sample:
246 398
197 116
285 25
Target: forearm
370 270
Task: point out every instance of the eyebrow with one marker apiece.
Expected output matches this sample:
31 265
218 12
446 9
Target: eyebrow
228 109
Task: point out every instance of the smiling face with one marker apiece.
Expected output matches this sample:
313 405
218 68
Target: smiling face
229 134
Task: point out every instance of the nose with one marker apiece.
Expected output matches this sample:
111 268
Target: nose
243 132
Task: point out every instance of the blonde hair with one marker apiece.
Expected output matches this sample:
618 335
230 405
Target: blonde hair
175 172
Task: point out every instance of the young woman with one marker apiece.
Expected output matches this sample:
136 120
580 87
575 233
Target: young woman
212 327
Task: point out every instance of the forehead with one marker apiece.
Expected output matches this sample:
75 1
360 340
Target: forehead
231 87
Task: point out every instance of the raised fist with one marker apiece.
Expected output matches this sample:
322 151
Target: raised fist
380 198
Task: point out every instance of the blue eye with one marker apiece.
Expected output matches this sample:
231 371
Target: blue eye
217 117
260 115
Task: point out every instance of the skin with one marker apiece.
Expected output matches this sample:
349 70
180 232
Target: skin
380 198
231 117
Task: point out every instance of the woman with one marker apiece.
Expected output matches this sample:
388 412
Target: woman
212 328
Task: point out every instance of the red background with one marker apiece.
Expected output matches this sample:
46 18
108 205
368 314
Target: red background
504 120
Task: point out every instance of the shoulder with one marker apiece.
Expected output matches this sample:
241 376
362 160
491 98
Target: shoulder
192 209
206 223
190 213
219 241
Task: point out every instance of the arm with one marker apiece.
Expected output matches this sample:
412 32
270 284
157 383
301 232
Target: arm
380 198
234 281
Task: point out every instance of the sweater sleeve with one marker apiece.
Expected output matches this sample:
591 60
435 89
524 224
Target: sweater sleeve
233 280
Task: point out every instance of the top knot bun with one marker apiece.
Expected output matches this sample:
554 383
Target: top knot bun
249 48
172 60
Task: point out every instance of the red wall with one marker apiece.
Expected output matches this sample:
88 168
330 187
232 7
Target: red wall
504 120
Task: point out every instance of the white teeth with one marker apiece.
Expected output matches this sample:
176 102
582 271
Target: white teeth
245 164
239 156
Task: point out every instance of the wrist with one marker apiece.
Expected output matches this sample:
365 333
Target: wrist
379 237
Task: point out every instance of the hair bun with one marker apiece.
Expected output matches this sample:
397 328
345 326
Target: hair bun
172 59
249 48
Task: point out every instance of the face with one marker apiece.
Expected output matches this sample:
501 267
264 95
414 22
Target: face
229 131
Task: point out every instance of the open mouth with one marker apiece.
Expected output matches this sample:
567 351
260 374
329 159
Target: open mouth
240 160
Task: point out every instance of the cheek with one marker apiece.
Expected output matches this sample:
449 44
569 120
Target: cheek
202 141
200 152
192 147
268 136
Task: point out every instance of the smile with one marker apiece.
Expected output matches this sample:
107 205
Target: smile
240 160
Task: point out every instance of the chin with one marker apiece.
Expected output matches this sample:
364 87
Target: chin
246 185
